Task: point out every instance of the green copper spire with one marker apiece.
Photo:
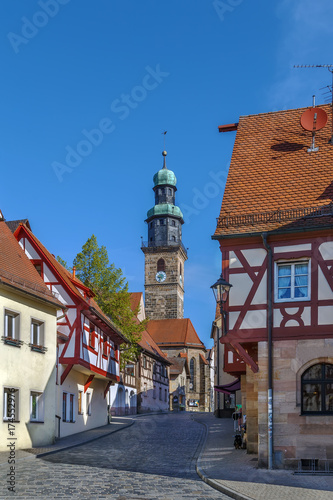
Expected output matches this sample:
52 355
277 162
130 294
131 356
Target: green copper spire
164 176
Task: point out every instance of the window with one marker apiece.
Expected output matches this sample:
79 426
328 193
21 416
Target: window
79 402
92 336
165 395
36 407
11 404
12 327
38 266
172 238
68 407
88 403
173 223
160 265
154 392
317 389
169 192
105 346
192 374
37 333
145 389
144 362
160 393
292 281
162 222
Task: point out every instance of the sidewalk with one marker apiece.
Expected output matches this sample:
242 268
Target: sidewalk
235 473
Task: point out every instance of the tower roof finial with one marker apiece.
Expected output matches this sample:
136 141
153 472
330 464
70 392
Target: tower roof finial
164 153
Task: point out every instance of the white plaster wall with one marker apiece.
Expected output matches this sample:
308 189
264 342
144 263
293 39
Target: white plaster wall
255 256
29 371
74 383
292 248
324 290
325 315
241 286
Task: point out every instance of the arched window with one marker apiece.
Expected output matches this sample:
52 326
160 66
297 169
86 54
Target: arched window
169 192
160 265
192 374
180 269
172 238
317 389
173 223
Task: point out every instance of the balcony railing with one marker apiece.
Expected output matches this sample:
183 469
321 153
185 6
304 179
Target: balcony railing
163 243
274 216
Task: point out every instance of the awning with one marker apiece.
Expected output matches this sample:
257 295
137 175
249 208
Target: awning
228 388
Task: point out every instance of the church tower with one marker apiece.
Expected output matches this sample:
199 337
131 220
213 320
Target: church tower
164 251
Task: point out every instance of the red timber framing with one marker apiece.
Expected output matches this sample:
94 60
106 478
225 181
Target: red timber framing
88 383
293 319
72 351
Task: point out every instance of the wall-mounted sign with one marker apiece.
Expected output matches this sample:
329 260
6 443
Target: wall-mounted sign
193 402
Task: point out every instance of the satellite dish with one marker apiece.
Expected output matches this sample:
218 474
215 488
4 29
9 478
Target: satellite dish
314 119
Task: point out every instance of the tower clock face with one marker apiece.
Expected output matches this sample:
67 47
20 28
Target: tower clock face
160 276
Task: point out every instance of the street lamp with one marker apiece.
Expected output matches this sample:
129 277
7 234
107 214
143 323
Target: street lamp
221 291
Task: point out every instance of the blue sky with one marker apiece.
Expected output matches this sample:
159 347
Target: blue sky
106 78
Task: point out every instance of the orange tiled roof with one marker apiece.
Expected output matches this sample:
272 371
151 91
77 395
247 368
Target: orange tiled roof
135 298
148 344
203 359
271 170
68 279
17 270
174 332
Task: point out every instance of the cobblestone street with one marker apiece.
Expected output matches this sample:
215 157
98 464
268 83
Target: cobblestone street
153 459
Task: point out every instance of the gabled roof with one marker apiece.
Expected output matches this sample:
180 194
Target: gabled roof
273 181
148 344
178 365
69 282
203 359
17 271
13 224
135 299
174 333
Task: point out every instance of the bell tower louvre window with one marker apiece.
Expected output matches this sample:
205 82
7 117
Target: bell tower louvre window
160 265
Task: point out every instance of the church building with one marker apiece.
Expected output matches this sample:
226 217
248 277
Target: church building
165 256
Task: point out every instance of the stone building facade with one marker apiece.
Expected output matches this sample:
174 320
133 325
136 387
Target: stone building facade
164 252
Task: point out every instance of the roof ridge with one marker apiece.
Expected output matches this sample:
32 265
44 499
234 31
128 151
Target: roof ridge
285 110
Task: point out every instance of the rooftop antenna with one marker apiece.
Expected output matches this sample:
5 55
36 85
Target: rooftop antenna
313 119
330 69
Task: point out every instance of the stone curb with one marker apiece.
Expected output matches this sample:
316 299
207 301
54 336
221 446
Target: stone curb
51 452
212 482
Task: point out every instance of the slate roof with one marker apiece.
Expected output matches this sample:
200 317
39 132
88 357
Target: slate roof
178 365
174 333
17 271
274 183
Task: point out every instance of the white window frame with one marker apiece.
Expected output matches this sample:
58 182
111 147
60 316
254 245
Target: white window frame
291 263
39 331
15 392
67 407
16 324
39 396
80 403
88 403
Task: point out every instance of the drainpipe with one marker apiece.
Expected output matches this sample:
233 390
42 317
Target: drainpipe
218 368
270 348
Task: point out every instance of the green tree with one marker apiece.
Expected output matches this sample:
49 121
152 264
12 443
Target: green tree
111 293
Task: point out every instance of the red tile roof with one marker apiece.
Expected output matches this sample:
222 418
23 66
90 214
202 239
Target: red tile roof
203 359
69 281
135 298
273 181
17 270
174 332
148 344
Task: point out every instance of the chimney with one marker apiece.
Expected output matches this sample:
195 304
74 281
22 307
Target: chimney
74 269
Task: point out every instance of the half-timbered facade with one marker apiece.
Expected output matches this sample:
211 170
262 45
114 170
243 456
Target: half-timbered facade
87 343
276 238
